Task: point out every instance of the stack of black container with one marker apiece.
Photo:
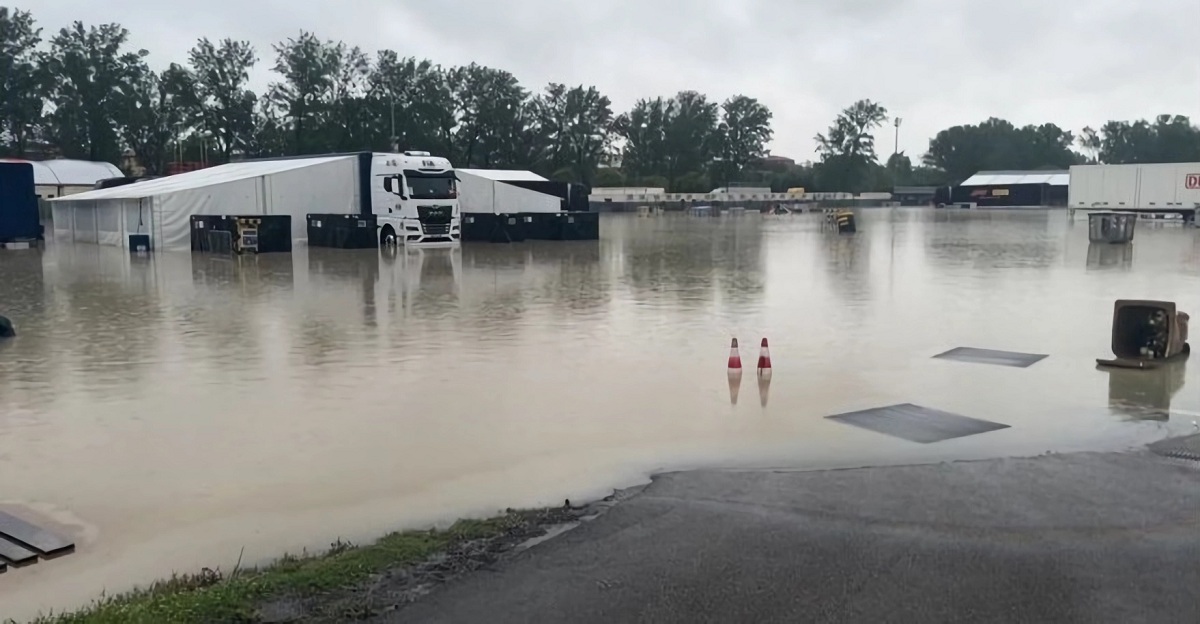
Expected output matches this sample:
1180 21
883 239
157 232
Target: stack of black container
242 233
343 231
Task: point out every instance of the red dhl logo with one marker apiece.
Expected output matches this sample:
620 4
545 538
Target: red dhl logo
1193 181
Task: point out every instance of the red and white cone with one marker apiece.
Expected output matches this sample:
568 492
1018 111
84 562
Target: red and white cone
764 361
764 388
735 372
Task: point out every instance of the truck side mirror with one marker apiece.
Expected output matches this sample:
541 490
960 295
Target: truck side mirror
387 185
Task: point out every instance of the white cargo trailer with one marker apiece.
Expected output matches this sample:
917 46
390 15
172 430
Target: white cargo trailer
488 191
1161 187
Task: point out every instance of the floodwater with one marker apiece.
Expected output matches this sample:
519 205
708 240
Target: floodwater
170 412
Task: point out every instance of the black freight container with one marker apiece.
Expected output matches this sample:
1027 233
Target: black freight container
580 226
274 233
543 225
242 233
510 228
18 203
477 226
343 231
212 233
493 228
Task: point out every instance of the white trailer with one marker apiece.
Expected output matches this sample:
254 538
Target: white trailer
1153 187
489 191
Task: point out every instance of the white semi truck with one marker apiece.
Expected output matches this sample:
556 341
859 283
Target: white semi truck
415 199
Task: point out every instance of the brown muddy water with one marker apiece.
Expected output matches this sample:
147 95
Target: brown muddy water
169 412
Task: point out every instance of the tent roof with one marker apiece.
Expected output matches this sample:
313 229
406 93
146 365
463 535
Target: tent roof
994 178
65 172
201 178
505 175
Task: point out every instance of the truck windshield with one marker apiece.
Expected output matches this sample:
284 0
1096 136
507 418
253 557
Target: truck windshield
425 186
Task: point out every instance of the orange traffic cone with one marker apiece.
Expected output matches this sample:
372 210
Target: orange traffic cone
764 360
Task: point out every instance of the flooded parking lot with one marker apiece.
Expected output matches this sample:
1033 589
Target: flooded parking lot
170 411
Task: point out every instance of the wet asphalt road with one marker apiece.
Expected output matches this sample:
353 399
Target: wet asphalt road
1070 538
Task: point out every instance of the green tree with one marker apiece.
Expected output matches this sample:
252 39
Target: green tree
996 144
744 132
848 149
409 101
349 124
489 106
577 125
90 76
153 116
221 105
271 135
644 130
690 136
20 81
900 168
1170 138
1089 142
307 68
608 176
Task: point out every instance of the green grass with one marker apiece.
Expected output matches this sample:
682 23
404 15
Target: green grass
212 597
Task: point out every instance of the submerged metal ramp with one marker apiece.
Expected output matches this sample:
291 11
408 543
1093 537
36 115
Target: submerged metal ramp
23 543
916 423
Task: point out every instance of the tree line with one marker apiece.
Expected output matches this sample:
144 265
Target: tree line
83 92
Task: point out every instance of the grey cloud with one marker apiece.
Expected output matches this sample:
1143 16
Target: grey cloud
934 62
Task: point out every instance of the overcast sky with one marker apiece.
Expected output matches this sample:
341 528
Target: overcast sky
935 63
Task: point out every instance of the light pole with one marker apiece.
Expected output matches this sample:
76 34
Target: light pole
395 140
897 148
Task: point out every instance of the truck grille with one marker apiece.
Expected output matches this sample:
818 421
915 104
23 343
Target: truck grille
436 229
435 214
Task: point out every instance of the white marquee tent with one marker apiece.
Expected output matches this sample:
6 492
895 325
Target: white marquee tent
163 207
53 178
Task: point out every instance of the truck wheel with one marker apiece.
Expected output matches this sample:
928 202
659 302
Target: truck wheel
387 236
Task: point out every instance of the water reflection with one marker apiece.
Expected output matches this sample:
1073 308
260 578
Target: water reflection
244 274
1145 394
1109 256
996 239
685 263
848 260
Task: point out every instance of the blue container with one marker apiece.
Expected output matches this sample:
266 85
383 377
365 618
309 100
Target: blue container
18 203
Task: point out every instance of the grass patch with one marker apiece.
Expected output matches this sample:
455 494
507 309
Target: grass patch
211 596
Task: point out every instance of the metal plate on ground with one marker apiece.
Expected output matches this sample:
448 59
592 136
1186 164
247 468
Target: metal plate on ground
1187 447
16 554
916 423
30 536
989 356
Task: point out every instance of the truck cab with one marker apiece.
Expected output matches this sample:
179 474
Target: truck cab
415 199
